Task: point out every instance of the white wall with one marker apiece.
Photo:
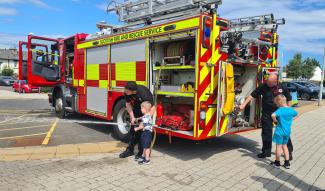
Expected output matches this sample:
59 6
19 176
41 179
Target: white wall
12 64
317 75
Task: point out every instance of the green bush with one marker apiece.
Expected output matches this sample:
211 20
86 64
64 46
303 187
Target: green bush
46 89
7 72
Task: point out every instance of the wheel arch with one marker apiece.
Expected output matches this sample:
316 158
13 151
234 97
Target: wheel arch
57 90
118 99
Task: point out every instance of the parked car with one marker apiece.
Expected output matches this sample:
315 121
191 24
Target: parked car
6 80
22 86
293 91
306 90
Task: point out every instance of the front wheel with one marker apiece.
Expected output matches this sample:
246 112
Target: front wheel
305 96
122 118
59 108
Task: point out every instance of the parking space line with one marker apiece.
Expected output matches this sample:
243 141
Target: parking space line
49 133
30 135
2 122
23 128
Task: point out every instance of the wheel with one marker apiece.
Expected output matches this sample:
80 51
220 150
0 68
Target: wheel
59 107
121 116
23 91
305 96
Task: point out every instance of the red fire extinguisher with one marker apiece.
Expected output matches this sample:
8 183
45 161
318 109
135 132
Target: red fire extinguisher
160 110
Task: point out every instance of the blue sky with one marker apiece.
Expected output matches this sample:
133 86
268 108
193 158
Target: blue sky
304 31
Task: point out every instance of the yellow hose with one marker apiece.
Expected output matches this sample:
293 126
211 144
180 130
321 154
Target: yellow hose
154 138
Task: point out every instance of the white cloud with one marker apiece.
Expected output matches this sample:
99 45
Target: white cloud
10 40
102 6
38 3
9 1
305 22
7 11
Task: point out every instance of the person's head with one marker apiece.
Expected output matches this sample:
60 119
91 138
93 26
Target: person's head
130 88
280 100
145 107
272 80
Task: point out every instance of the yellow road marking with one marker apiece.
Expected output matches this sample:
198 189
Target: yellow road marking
31 135
23 128
49 134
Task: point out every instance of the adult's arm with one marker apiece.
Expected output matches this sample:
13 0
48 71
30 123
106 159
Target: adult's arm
130 111
257 92
247 100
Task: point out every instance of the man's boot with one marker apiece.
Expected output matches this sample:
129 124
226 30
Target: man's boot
126 153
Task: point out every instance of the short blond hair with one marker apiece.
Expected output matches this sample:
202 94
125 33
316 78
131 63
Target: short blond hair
147 105
280 100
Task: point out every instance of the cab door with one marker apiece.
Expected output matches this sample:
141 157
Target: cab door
43 66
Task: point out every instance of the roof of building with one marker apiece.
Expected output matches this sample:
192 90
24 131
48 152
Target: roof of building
11 54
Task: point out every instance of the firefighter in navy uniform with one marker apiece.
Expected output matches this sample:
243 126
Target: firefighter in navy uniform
269 91
134 96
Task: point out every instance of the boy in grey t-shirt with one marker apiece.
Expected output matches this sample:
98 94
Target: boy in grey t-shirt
146 136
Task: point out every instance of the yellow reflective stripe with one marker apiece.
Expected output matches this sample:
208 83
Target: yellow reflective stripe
92 72
224 125
81 83
103 83
113 83
176 94
75 82
125 71
144 33
144 83
47 53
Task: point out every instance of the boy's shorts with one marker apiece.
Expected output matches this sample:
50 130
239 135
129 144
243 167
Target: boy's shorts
280 139
146 137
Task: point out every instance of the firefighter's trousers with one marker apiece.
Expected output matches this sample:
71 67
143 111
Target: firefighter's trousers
135 139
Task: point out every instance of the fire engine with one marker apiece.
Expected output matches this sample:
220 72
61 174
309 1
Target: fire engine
199 67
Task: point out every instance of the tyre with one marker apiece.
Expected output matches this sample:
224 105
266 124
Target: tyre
23 91
305 96
59 107
121 116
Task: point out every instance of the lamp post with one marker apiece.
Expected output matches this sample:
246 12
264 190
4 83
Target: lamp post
321 83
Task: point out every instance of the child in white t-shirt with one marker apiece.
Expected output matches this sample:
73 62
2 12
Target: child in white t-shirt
146 136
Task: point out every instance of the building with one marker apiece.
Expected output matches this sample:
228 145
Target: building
9 59
317 77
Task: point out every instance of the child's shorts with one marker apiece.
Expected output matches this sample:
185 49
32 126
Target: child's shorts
146 137
280 139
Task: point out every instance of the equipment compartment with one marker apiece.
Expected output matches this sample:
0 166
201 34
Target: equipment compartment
174 64
173 79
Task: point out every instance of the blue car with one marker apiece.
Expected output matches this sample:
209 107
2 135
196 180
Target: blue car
306 90
293 91
6 80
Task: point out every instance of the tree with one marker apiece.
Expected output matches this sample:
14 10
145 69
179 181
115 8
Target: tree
309 68
295 66
7 72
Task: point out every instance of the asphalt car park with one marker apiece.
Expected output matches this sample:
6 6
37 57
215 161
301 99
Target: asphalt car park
28 120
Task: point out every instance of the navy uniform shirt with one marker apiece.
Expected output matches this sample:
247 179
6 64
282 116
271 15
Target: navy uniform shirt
268 94
143 94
